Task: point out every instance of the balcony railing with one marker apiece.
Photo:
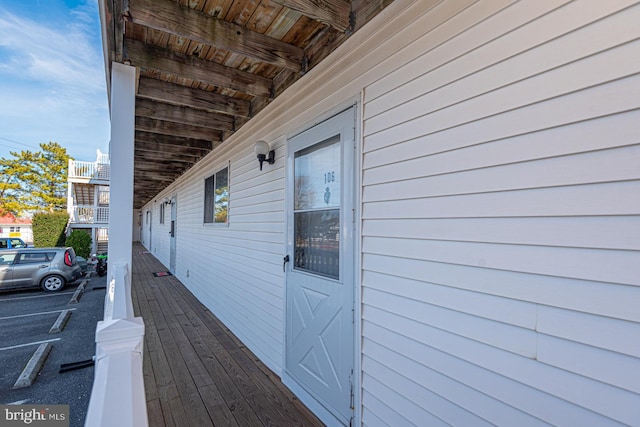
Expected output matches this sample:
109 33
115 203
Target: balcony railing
89 170
89 215
102 157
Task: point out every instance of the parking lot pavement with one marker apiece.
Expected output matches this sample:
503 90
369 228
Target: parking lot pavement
25 320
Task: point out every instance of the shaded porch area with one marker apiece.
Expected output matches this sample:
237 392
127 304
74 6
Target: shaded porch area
196 372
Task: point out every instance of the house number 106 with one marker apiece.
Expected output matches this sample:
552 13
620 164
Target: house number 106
329 177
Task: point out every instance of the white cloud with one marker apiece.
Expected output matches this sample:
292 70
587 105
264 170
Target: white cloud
64 56
52 84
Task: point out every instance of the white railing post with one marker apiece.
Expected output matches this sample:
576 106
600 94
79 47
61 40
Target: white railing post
118 397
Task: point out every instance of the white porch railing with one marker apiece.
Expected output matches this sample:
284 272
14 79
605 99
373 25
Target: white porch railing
102 157
90 170
117 397
89 215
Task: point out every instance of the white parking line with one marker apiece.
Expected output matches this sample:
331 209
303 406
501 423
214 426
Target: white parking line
28 344
37 296
35 314
18 402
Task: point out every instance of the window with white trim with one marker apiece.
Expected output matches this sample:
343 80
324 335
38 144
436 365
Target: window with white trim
216 197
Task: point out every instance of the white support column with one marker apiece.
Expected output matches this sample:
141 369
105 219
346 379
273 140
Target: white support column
123 86
118 397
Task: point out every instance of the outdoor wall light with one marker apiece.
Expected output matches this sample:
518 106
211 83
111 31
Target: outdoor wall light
262 149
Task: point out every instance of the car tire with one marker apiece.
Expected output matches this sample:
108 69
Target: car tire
53 283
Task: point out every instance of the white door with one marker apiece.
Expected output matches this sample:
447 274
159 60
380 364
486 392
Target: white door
149 222
320 274
172 233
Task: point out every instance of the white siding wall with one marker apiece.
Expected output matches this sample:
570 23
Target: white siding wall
501 282
500 213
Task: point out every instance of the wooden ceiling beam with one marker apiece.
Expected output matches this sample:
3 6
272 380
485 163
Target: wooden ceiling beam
152 57
178 130
143 149
144 182
364 11
187 153
158 156
184 115
158 90
166 167
113 31
147 183
170 17
159 168
147 189
143 196
332 12
170 143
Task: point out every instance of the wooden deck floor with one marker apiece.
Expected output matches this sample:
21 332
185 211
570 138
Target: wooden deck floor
196 372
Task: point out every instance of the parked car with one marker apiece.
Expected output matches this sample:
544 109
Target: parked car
11 243
48 268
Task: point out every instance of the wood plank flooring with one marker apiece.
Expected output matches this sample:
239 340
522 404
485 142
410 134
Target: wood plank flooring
196 372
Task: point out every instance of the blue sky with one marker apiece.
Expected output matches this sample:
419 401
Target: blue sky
52 79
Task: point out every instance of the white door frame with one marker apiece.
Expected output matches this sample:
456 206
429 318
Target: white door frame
173 218
150 226
355 182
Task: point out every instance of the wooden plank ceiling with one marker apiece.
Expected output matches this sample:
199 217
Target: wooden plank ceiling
207 66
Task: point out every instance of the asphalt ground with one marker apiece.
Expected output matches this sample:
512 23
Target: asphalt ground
25 320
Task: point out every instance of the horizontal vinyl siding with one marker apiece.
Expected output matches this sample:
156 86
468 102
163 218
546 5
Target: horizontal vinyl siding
501 218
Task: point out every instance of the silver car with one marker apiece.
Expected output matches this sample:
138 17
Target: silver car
48 268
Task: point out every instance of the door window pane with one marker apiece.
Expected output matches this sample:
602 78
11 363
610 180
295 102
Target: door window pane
317 176
317 242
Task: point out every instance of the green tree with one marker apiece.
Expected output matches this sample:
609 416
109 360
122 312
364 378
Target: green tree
80 241
34 181
11 186
48 229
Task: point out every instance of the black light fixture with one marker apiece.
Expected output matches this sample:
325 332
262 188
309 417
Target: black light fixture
262 149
